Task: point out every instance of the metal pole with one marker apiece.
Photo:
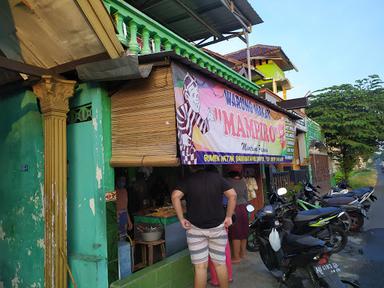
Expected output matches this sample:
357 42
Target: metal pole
248 55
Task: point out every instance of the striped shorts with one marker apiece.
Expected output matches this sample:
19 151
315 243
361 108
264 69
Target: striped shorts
204 242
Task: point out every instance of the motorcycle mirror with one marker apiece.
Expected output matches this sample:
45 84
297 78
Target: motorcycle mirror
250 208
282 191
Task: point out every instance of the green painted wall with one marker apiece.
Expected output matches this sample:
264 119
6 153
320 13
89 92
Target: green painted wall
21 191
175 271
270 70
89 177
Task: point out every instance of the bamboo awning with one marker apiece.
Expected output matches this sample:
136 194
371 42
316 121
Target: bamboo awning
143 122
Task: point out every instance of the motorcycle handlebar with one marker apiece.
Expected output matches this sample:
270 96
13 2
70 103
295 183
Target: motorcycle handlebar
283 208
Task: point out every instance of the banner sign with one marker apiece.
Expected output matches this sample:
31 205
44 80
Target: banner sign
290 134
217 125
301 124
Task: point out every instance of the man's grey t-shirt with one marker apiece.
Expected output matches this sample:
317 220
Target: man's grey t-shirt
203 191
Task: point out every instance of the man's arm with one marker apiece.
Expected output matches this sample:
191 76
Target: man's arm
231 195
130 224
176 202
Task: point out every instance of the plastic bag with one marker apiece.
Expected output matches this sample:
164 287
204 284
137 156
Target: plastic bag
274 240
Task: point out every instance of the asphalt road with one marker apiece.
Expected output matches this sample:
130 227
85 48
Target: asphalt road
363 258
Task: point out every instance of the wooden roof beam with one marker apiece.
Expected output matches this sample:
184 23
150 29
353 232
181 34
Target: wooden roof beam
205 42
20 67
97 15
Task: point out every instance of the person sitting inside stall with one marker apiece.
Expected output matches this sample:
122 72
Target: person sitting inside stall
124 221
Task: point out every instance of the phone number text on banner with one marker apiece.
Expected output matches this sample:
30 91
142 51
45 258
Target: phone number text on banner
225 158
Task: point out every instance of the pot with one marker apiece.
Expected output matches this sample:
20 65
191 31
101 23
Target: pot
152 235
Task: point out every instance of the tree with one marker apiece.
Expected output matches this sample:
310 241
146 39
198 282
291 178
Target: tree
351 117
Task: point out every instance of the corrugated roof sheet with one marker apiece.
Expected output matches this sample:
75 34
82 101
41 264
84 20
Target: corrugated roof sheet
213 12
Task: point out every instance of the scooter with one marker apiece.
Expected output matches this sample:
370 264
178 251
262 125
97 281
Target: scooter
324 223
362 194
355 208
294 253
345 223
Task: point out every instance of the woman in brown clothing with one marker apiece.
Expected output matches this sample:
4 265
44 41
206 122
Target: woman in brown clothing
238 232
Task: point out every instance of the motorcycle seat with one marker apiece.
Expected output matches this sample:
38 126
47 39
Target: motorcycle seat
359 192
362 190
312 214
303 241
337 201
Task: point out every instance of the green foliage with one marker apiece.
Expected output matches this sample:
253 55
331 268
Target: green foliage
364 177
294 189
339 176
351 118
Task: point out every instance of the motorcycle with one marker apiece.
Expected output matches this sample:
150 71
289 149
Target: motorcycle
363 194
325 223
345 219
294 253
356 208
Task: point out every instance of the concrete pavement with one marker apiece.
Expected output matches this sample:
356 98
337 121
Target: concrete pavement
251 272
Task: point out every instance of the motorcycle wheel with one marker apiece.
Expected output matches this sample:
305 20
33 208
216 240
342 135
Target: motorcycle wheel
269 257
314 279
294 280
346 220
357 221
338 239
252 242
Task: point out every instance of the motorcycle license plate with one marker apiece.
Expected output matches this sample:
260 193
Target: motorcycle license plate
326 269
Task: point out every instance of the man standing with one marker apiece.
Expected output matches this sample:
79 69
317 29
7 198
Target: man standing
206 221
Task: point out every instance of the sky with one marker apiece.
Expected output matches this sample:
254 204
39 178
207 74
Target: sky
331 42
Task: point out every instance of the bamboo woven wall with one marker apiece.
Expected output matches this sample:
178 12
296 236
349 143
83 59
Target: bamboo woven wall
143 122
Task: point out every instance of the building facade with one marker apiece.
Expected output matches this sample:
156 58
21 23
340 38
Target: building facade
72 107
